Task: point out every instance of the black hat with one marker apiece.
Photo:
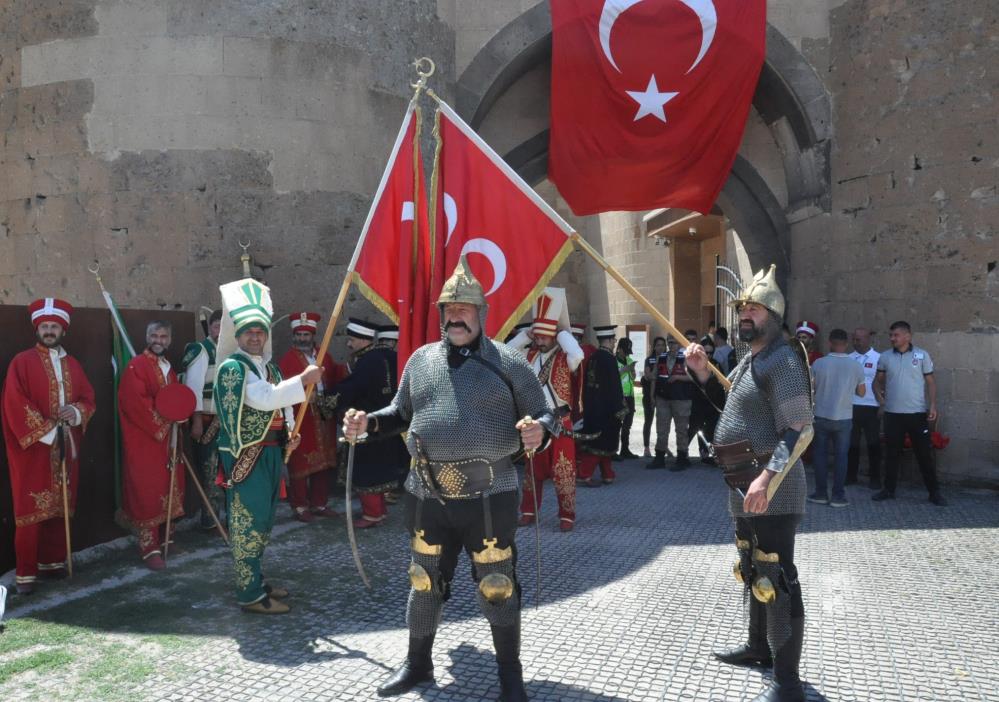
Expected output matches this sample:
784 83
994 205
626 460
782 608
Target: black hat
607 331
360 329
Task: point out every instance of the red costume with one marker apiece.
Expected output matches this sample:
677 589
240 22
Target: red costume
310 464
554 368
32 397
146 452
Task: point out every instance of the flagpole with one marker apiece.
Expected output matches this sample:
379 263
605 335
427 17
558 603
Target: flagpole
585 246
424 69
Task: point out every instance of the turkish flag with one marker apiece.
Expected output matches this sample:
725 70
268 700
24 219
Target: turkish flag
515 242
649 99
391 262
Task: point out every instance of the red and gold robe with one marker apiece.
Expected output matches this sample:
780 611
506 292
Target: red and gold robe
146 446
31 411
318 448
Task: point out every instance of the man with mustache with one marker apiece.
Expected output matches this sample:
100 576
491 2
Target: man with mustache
467 404
763 429
310 466
146 447
47 401
554 355
199 375
371 386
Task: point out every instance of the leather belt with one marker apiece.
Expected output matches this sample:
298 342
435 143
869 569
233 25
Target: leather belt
272 437
462 479
740 464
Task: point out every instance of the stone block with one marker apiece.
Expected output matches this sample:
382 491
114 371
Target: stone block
62 20
131 18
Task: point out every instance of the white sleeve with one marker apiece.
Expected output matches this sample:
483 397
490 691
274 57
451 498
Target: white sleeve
263 396
520 342
573 350
194 378
49 438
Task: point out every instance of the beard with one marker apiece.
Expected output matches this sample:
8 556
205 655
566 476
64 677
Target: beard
749 332
49 341
157 349
302 345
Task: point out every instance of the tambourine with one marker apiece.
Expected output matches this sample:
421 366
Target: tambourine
175 402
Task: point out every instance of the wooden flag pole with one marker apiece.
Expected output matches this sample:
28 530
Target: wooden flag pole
323 348
643 301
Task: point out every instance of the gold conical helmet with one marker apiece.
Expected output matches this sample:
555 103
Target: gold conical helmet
763 291
462 286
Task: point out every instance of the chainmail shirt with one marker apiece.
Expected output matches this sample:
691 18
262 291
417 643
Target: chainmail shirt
465 412
770 392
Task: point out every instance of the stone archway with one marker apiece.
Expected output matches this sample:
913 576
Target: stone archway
790 98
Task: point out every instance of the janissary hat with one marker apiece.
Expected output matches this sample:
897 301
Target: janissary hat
763 291
806 327
606 331
551 313
304 321
577 329
50 309
246 304
360 329
389 332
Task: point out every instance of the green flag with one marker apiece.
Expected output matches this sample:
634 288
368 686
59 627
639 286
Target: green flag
122 352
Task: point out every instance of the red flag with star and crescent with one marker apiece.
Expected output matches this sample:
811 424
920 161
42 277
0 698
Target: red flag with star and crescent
514 241
649 99
391 263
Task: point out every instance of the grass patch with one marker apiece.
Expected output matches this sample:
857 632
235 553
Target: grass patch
38 662
116 670
23 633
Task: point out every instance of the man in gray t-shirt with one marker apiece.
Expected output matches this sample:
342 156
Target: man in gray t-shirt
838 379
905 386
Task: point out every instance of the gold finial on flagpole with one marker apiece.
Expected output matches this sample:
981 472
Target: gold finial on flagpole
245 259
425 67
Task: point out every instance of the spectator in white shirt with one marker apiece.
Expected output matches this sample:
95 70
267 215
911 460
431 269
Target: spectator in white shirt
866 414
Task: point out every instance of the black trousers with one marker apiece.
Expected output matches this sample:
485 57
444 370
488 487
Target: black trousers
704 419
866 422
626 423
775 534
461 524
915 425
649 407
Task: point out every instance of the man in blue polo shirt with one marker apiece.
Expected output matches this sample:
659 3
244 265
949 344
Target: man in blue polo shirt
906 388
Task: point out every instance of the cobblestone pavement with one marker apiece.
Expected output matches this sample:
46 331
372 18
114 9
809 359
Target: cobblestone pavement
901 598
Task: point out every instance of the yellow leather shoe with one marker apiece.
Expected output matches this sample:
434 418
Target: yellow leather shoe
275 593
267 606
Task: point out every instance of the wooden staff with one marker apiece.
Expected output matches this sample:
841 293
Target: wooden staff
204 499
643 301
323 348
65 498
173 481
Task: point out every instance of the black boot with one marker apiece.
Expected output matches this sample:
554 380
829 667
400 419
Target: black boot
506 640
787 686
755 653
658 462
418 668
682 461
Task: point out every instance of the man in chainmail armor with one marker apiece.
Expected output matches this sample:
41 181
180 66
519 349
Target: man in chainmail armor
762 432
461 401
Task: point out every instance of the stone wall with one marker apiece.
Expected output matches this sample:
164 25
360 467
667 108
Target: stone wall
912 232
153 135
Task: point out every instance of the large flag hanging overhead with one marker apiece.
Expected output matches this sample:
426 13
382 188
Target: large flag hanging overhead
391 263
514 240
649 99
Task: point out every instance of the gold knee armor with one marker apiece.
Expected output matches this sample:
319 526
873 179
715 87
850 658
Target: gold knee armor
422 547
763 587
491 554
496 588
419 578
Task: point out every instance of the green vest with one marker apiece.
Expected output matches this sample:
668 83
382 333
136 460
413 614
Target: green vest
241 426
191 353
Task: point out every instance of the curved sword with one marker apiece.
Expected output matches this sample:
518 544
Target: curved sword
349 512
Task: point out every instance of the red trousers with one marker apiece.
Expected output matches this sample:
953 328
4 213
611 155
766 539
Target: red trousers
557 462
373 506
39 546
310 491
588 463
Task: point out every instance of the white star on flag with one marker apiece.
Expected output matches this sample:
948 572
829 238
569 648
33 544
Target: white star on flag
651 101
